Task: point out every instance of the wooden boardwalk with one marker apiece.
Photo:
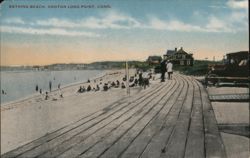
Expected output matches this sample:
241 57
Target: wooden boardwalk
173 119
244 97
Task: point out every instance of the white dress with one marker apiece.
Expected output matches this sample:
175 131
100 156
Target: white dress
170 67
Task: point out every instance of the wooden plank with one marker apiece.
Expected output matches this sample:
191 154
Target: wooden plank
117 128
140 140
158 142
175 146
76 124
138 146
195 141
89 126
213 142
120 117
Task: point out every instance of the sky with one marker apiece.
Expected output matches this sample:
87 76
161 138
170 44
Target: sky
84 31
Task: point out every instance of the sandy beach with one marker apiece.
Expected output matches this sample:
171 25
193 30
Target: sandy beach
31 118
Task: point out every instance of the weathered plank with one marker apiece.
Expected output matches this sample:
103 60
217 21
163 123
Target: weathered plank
118 128
175 146
86 126
173 119
195 141
67 128
137 147
120 145
213 142
157 144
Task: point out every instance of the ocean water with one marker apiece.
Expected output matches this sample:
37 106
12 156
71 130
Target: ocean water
20 84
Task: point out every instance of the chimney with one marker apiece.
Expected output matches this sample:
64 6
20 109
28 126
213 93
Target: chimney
181 48
175 49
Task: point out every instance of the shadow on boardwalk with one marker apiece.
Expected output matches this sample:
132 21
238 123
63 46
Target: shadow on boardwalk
172 119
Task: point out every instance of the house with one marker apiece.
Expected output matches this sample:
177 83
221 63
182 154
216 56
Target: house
179 57
153 60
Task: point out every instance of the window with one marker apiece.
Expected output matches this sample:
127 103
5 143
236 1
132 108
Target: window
181 62
188 62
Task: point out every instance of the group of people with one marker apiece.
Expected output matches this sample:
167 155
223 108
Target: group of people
3 92
166 66
89 88
133 81
143 80
50 89
106 86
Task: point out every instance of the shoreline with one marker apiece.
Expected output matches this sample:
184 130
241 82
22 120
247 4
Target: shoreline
37 94
29 119
9 104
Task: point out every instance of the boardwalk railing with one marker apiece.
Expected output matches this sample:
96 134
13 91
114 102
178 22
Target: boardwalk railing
217 80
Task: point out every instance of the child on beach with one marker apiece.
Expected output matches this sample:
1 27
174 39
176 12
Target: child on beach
46 96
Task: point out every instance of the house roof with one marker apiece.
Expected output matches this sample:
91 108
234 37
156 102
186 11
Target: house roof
170 52
181 51
154 58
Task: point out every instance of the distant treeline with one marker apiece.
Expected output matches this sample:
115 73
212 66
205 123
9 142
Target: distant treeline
200 67
81 66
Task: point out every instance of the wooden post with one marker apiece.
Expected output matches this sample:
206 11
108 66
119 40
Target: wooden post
127 79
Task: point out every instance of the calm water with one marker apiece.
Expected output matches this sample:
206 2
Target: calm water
20 84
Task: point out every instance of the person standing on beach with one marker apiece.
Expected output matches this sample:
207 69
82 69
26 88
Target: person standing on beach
37 88
163 70
169 69
50 86
46 96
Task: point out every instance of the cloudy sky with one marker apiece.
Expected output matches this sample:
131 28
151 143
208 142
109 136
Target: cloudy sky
123 30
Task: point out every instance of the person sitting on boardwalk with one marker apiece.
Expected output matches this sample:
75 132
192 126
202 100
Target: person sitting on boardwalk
170 69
